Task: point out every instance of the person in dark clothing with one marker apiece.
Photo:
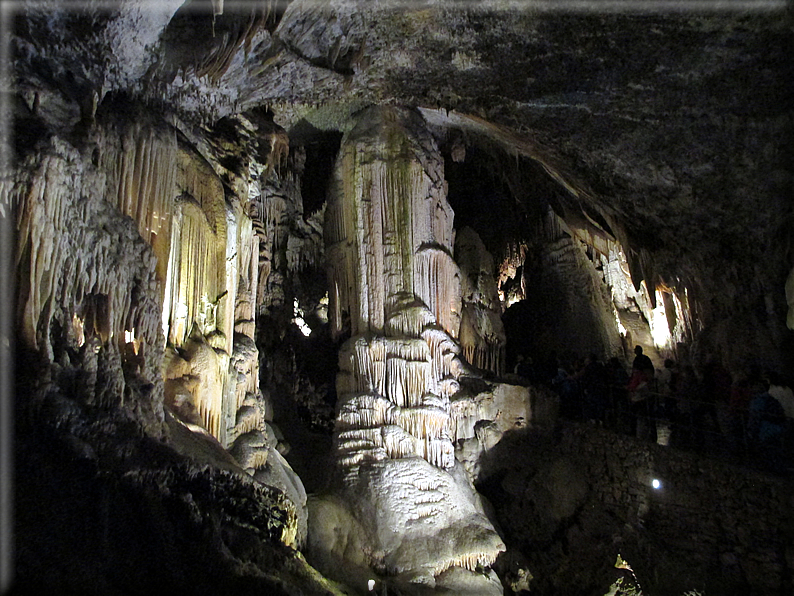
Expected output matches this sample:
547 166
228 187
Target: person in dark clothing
567 388
715 389
738 414
640 397
549 369
593 381
525 368
642 362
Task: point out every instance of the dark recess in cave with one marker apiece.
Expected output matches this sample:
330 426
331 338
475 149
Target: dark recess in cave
502 197
321 151
482 200
28 131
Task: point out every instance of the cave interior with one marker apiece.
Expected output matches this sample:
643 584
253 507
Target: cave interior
340 297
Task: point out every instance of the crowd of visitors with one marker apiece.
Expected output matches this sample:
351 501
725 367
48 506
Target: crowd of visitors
748 414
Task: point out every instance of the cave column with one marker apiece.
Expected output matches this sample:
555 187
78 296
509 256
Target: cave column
395 288
389 230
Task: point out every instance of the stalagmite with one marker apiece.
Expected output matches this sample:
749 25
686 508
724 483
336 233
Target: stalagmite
395 288
389 236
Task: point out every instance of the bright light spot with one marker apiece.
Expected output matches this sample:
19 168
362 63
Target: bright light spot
656 483
181 310
129 338
512 300
371 585
659 326
621 328
322 309
77 325
305 329
298 319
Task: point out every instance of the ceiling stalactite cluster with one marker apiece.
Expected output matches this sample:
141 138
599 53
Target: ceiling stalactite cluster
275 261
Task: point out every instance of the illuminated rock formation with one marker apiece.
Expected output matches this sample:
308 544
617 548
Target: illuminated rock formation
511 278
482 334
667 317
396 290
166 275
289 240
129 244
87 290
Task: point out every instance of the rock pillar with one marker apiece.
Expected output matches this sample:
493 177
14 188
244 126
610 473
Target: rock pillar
395 289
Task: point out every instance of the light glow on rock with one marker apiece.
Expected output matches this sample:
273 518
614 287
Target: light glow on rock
298 313
660 329
79 333
621 328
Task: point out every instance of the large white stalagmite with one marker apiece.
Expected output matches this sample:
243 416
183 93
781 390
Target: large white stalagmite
389 227
395 238
395 289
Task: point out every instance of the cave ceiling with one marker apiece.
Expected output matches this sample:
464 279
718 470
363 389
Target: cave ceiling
667 128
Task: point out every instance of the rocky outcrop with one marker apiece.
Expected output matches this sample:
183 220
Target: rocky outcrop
88 300
130 242
590 493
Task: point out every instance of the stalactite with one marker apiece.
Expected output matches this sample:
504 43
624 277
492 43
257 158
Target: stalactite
409 320
288 241
470 561
245 307
80 263
142 181
437 283
248 419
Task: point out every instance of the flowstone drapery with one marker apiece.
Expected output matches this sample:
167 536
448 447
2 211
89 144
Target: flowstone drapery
395 289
